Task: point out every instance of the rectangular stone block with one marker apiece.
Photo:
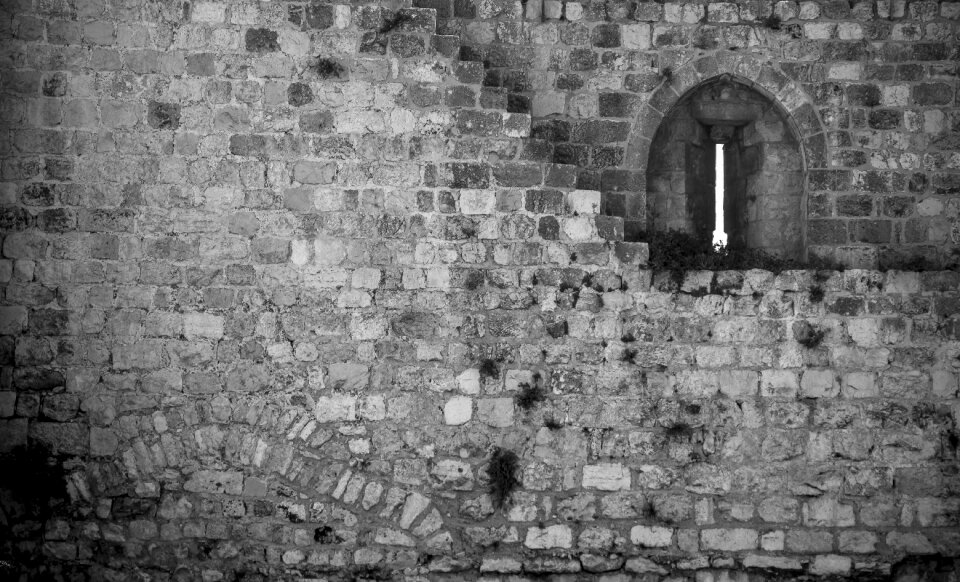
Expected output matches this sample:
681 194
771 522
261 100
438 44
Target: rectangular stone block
606 477
730 540
209 481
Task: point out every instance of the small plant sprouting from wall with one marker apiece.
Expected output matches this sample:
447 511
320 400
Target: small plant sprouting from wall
393 22
551 422
667 74
530 394
489 369
679 431
816 294
628 355
503 469
807 334
816 290
773 22
677 252
473 281
327 68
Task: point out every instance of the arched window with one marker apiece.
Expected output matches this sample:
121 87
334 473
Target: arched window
762 163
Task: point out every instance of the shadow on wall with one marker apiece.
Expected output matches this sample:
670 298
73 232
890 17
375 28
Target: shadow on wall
32 490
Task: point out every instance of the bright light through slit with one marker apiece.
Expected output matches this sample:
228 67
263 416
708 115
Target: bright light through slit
720 234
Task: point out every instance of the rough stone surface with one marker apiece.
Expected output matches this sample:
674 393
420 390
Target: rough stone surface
277 278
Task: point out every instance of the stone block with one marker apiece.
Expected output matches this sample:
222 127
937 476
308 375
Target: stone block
857 542
477 201
553 536
738 383
496 412
772 562
827 512
338 408
730 540
831 565
606 477
819 384
651 536
458 410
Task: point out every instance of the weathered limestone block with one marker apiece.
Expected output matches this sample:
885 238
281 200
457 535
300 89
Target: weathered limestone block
651 536
458 410
606 477
553 536
496 412
729 539
208 481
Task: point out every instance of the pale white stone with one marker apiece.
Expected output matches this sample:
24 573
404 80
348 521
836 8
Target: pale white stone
651 536
392 537
438 278
300 252
579 228
895 95
336 408
458 410
818 384
930 207
729 539
573 11
548 102
552 9
827 512
554 536
477 201
294 43
830 564
606 477
469 381
772 562
584 201
414 505
496 412
341 16
773 541
737 383
779 384
809 10
306 352
329 251
209 12
849 31
365 278
202 325
353 298
845 71
402 121
819 30
860 385
635 36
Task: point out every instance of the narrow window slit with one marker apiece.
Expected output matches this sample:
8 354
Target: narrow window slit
720 233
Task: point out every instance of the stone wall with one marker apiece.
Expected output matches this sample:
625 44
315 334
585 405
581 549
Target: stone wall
279 278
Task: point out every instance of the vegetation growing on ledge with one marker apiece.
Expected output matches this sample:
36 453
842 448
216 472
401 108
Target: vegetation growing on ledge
677 251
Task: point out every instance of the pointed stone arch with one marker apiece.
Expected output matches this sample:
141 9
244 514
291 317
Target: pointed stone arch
627 188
